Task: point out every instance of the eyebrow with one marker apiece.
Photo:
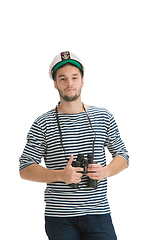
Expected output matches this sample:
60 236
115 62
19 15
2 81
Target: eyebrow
65 75
61 76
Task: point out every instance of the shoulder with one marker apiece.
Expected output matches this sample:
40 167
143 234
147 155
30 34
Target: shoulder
43 120
98 111
101 115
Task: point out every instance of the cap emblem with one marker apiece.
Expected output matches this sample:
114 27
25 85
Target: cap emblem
65 55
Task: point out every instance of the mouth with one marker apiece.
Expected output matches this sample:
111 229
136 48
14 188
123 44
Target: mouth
69 89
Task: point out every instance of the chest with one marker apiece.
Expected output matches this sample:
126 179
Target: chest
76 132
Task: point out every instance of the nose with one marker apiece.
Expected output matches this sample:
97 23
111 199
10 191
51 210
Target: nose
69 82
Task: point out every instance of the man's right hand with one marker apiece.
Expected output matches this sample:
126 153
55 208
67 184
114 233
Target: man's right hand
71 174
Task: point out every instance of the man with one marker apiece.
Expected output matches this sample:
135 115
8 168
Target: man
71 138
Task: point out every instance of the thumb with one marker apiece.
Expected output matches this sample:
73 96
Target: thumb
70 160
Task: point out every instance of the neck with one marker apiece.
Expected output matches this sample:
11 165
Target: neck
70 107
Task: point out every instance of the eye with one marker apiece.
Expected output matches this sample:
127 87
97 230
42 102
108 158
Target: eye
62 79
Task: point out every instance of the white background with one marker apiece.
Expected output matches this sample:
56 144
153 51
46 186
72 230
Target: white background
119 43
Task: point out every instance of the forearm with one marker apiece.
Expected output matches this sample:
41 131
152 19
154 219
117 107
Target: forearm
97 172
38 173
117 165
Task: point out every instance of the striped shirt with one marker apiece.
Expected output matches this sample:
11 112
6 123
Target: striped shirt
43 141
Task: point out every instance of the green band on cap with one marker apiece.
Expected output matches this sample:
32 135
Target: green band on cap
77 64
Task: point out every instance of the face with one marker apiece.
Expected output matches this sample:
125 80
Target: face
69 83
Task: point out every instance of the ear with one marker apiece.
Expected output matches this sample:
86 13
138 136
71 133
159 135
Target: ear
82 82
55 85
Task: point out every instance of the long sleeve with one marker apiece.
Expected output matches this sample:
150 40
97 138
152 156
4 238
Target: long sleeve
35 147
114 142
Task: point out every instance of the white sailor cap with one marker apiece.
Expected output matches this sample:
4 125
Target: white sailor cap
62 59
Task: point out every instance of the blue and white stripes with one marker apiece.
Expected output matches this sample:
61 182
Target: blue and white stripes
43 140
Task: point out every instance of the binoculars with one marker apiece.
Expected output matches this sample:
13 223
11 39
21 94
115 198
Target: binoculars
83 163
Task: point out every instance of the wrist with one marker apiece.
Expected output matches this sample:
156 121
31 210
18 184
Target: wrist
105 172
54 176
59 175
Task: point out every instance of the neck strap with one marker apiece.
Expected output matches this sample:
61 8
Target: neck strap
60 132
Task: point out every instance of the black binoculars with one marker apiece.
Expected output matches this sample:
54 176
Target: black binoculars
83 163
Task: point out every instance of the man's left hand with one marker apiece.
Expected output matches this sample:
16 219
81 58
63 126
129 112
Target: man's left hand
95 172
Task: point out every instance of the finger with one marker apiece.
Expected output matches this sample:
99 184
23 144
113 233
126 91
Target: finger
91 170
79 175
77 181
70 160
94 165
93 176
79 170
93 173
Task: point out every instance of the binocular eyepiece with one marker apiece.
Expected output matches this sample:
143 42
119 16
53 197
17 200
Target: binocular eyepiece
83 163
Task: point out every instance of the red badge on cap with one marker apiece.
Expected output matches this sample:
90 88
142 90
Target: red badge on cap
65 55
